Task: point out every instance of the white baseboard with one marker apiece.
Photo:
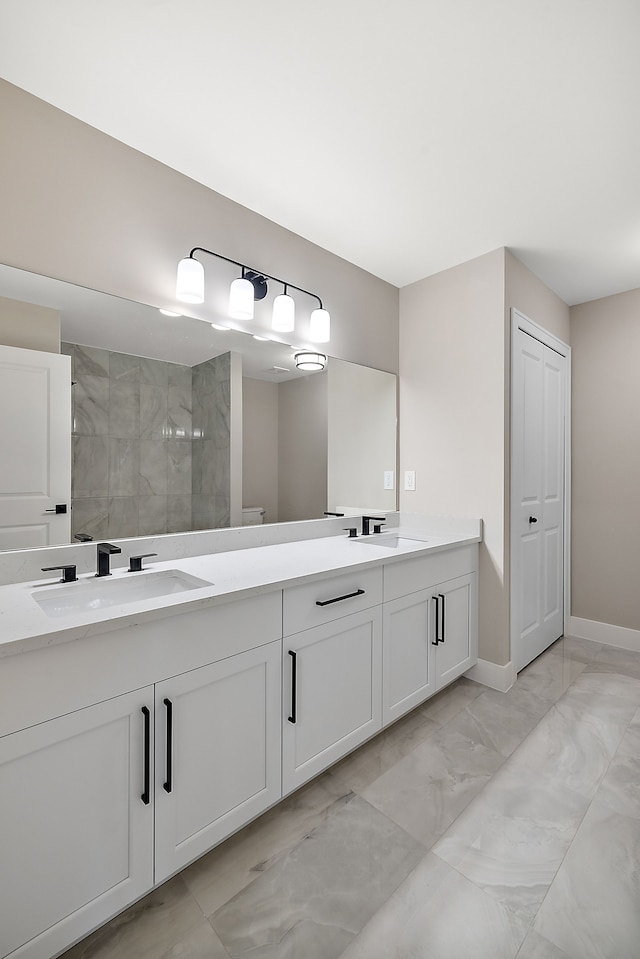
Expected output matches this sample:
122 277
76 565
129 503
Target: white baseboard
497 677
605 633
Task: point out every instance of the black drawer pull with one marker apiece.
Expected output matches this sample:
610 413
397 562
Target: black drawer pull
338 599
168 785
145 797
294 685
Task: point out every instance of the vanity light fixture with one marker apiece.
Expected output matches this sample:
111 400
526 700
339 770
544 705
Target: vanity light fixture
219 326
310 362
169 312
250 286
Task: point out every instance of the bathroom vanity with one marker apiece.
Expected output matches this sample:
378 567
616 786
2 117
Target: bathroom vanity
137 731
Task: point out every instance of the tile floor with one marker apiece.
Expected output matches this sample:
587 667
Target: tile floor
481 825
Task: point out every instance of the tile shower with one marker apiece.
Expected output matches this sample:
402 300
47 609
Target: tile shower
151 444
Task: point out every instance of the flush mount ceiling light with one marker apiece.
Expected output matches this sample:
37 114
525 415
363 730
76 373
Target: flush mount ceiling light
250 286
310 362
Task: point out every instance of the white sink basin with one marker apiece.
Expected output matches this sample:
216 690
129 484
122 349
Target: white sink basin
94 593
389 540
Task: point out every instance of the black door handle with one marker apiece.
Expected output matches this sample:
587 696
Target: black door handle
167 784
294 689
441 595
59 508
434 642
145 797
533 519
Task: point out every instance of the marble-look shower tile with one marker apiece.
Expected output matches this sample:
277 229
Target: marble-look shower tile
124 467
549 676
180 376
91 406
571 747
179 415
179 467
511 840
153 412
438 914
152 515
233 865
90 361
428 788
620 788
178 514
316 897
591 910
536 946
123 516
154 372
369 762
90 466
124 410
150 929
91 516
154 467
500 721
124 368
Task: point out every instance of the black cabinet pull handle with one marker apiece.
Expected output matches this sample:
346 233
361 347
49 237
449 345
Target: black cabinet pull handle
442 638
294 687
434 642
533 519
167 785
145 797
338 599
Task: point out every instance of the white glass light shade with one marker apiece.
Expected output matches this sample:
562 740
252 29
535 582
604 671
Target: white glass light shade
190 281
284 313
310 362
241 299
320 326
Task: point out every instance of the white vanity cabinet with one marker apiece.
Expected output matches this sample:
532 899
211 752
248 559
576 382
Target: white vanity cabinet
430 626
76 836
332 669
218 753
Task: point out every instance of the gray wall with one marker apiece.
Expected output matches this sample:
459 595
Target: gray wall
80 206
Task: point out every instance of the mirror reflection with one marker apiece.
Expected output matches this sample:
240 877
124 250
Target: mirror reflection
174 426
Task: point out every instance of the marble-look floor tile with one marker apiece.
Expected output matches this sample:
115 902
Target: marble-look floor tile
620 788
626 661
570 747
549 676
381 753
536 946
591 910
215 878
200 942
500 721
450 701
611 696
513 837
428 788
580 650
438 914
323 891
147 930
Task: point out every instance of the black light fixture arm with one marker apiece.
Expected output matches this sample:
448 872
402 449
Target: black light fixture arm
243 267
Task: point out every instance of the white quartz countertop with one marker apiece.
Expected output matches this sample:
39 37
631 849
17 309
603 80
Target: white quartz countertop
233 575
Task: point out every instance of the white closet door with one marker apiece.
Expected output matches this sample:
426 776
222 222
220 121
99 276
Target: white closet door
538 410
35 439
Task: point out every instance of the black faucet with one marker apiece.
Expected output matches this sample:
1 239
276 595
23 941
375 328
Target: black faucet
104 552
371 519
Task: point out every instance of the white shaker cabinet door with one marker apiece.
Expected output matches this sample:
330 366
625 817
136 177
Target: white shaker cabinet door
331 693
218 753
455 628
408 676
76 829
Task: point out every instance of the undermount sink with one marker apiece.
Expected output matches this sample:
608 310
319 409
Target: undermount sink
390 540
94 594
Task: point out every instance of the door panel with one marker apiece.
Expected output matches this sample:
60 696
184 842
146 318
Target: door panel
35 430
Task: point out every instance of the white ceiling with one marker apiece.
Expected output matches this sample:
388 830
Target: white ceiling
404 135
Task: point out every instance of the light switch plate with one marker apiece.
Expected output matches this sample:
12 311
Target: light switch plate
388 479
409 479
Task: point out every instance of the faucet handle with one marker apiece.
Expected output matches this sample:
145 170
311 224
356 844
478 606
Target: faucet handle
377 527
68 572
352 530
135 562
